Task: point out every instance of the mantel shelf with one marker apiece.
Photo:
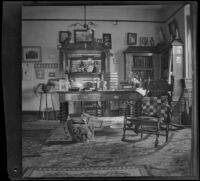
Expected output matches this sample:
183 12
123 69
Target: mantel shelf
84 47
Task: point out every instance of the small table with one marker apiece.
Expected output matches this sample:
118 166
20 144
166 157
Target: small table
47 109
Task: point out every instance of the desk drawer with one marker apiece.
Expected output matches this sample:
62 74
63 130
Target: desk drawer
82 97
119 96
100 96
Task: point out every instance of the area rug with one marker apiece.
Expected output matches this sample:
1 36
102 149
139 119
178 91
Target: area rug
122 171
30 149
59 135
32 142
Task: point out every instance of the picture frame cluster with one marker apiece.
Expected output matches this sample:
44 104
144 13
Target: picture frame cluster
84 36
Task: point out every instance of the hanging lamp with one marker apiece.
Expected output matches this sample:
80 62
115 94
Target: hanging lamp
87 25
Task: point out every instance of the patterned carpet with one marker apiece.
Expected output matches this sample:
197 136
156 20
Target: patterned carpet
30 146
123 171
131 157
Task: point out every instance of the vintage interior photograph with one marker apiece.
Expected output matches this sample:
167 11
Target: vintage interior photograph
108 110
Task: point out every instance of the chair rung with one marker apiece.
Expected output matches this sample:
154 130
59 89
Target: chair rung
130 128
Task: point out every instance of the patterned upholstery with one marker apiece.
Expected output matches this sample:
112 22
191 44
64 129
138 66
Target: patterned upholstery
149 106
154 106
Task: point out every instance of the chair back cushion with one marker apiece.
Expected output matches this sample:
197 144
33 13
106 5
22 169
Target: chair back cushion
159 87
154 106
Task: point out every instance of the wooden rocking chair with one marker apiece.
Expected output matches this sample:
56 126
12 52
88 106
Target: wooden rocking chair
150 112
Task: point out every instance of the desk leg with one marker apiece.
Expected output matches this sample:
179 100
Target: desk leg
82 107
64 111
61 111
107 108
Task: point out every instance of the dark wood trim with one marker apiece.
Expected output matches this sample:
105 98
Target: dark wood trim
36 114
97 20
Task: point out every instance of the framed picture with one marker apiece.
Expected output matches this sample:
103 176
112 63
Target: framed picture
64 36
52 74
31 54
131 38
39 73
99 40
107 41
172 28
83 36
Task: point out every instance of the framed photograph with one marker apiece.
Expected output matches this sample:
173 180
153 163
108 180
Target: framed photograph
39 73
52 74
64 36
83 36
131 38
172 28
31 54
99 40
107 41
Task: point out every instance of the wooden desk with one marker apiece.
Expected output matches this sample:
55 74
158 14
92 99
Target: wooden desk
95 96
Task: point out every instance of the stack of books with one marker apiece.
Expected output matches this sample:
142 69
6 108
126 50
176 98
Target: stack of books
112 80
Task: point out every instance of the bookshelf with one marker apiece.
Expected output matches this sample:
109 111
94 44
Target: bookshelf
139 63
143 66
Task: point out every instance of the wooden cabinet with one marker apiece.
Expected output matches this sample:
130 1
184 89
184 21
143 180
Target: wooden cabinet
160 62
84 63
78 60
139 62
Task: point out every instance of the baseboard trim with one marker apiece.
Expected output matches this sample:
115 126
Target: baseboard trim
37 115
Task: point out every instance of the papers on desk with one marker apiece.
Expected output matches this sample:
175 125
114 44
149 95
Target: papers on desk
141 91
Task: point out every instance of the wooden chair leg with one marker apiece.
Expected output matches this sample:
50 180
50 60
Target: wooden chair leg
156 142
167 131
124 130
141 133
136 130
124 133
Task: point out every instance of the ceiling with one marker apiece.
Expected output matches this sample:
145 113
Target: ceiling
97 11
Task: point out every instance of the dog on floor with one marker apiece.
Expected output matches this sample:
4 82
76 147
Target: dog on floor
83 132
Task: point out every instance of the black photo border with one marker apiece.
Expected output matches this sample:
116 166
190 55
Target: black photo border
12 113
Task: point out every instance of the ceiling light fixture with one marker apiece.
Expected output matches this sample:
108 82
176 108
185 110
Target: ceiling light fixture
87 25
